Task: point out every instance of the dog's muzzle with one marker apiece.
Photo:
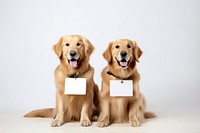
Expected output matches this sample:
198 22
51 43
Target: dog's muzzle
73 59
123 62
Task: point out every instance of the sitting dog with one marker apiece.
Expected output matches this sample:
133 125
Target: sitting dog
122 56
74 52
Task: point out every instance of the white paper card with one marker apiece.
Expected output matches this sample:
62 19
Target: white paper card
117 88
75 86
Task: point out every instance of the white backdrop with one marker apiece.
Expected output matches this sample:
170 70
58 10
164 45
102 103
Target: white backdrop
167 31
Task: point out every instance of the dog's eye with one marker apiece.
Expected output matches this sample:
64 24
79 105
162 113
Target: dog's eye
128 46
78 44
67 44
117 46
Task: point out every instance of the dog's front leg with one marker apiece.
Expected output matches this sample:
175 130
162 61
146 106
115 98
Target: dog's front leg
104 117
135 115
133 110
85 112
59 80
59 110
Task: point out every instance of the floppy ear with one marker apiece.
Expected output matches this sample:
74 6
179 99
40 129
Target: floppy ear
89 48
137 52
107 54
58 48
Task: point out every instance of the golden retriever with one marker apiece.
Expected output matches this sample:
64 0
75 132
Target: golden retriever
122 56
74 52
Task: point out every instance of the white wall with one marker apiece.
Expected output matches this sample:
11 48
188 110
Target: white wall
167 31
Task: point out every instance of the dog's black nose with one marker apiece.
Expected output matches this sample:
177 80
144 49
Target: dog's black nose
123 53
72 53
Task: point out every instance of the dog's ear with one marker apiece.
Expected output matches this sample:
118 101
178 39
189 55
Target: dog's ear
107 54
58 48
137 52
89 48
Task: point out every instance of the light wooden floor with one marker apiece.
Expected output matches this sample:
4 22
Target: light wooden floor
166 122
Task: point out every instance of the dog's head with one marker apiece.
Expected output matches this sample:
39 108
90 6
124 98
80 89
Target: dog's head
73 50
123 53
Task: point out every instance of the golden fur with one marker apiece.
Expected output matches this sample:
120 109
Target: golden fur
72 107
122 109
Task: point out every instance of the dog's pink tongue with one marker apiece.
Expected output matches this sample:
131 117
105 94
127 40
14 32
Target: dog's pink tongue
73 63
123 63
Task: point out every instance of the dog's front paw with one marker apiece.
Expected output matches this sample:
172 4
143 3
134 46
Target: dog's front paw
86 123
56 123
134 122
103 123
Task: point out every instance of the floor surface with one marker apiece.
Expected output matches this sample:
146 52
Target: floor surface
166 122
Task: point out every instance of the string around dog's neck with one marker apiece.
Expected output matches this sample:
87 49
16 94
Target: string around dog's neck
117 77
77 74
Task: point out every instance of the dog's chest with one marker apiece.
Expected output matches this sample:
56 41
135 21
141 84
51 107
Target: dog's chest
119 109
73 104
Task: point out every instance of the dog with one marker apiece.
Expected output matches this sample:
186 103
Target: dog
74 52
122 56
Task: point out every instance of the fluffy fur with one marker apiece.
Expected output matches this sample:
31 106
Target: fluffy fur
74 52
122 56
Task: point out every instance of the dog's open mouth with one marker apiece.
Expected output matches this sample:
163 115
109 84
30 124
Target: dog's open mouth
123 63
73 62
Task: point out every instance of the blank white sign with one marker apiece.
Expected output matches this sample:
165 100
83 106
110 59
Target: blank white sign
117 88
75 86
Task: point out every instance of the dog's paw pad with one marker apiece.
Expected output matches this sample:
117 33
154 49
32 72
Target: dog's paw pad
86 123
103 123
56 123
134 123
95 118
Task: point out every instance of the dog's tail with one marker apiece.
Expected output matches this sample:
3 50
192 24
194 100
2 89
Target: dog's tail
46 113
149 115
